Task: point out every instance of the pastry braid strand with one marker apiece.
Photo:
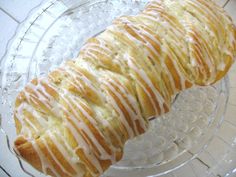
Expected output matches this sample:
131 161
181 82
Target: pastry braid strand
76 120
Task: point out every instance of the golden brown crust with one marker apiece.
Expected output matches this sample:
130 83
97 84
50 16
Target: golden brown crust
27 152
76 120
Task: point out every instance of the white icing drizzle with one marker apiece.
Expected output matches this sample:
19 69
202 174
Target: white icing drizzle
63 152
166 51
76 73
158 55
156 4
90 55
139 32
31 110
41 97
145 78
209 59
26 129
121 115
102 44
104 154
151 15
132 115
44 162
124 33
178 70
80 108
96 49
104 122
54 157
132 102
39 119
180 74
149 96
19 115
107 124
83 126
75 84
88 83
165 68
170 25
82 144
209 13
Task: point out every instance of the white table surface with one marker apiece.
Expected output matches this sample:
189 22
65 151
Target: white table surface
13 12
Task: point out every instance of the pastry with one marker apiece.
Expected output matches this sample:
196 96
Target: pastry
76 120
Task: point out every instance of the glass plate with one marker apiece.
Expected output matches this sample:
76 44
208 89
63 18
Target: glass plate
55 33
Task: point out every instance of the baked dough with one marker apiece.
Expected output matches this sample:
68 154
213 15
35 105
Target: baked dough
76 120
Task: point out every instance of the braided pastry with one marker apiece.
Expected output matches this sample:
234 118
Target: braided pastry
76 120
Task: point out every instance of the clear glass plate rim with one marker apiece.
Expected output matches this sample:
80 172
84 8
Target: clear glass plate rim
12 40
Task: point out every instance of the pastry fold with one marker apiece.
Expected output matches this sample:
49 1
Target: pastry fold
76 120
